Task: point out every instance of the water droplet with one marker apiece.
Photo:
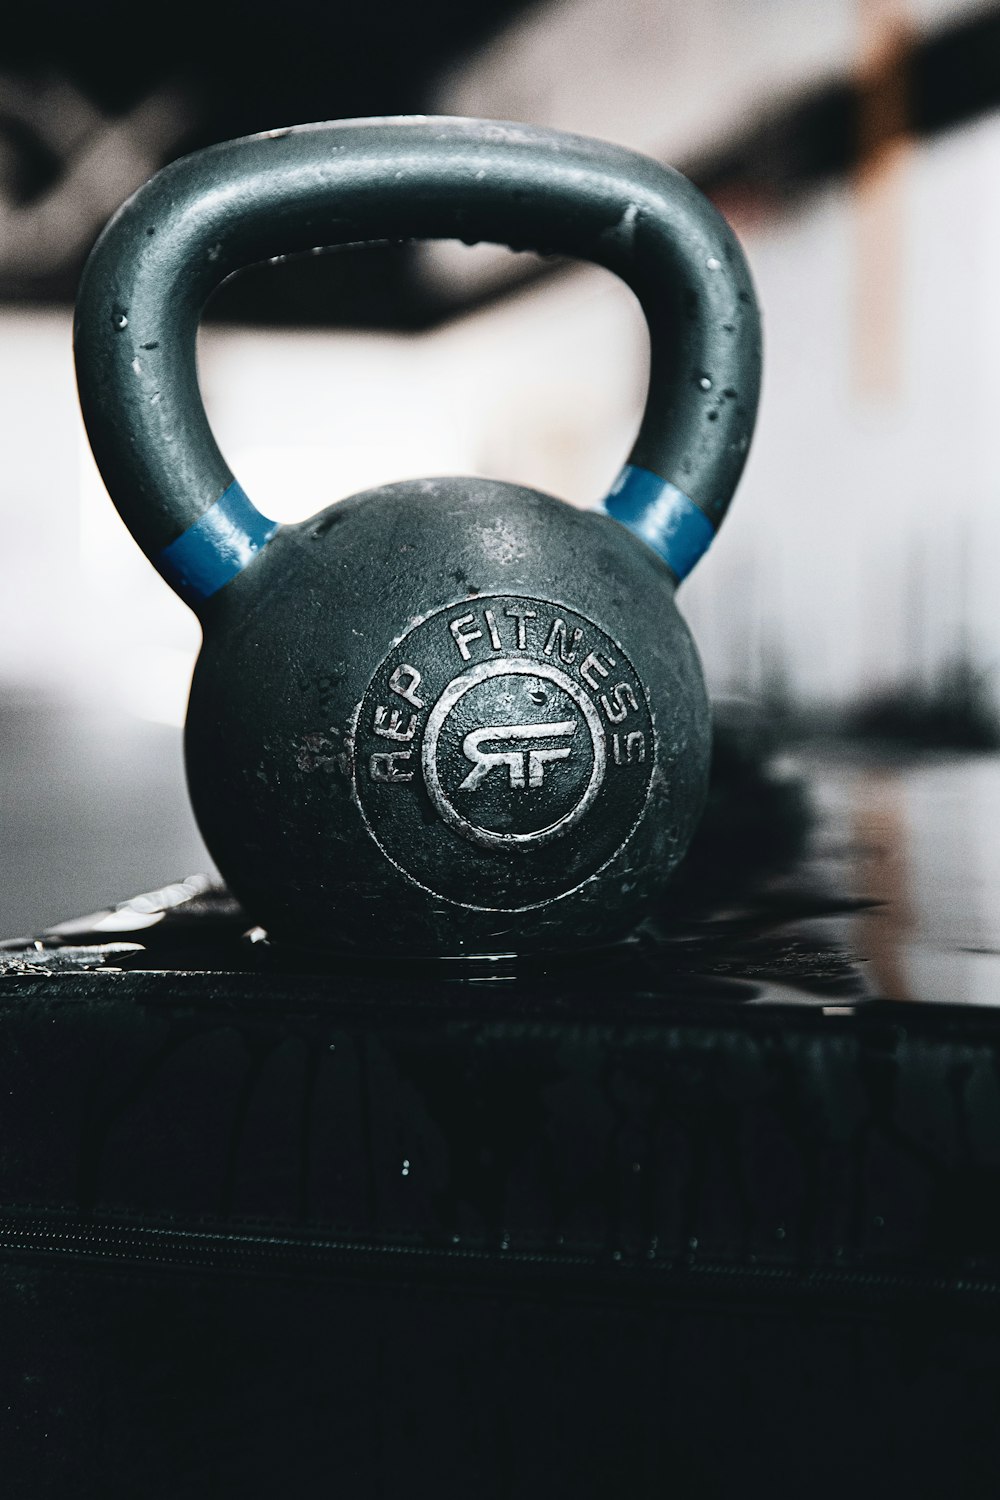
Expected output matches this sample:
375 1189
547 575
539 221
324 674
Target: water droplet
693 1242
505 1242
637 1166
406 1167
333 1047
456 1239
616 1255
713 264
119 321
705 381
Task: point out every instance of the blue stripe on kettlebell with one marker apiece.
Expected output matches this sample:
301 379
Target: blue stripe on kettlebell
217 547
662 515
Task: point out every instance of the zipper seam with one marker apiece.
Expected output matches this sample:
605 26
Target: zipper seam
206 1249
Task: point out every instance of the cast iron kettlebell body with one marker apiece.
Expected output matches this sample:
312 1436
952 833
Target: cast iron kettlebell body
450 714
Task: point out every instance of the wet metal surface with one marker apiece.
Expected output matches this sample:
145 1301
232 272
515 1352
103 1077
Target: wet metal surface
885 884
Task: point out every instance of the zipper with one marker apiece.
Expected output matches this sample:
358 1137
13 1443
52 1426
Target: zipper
116 1242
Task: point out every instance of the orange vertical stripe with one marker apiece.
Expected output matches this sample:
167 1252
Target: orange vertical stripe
884 144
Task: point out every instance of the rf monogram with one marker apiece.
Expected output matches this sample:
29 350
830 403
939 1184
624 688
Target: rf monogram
526 767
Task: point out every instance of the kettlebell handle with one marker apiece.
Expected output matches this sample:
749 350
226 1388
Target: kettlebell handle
287 191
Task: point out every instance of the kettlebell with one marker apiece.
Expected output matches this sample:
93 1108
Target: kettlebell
452 714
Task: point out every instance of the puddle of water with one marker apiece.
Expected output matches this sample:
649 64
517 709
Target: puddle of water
885 884
923 841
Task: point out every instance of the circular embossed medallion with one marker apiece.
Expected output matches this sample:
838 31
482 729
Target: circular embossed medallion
503 752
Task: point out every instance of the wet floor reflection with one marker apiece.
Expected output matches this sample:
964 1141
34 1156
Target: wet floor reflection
922 841
823 877
880 854
93 806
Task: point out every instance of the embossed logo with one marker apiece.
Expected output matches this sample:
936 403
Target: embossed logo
503 726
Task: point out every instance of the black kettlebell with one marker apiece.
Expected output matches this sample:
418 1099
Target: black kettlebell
448 714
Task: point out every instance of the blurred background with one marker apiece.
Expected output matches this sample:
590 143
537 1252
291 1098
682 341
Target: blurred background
854 145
